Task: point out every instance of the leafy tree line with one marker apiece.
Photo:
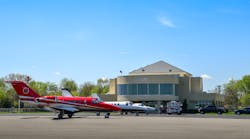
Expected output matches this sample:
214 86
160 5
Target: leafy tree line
8 97
237 93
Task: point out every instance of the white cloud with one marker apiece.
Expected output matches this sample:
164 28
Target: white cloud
57 73
104 78
166 22
205 76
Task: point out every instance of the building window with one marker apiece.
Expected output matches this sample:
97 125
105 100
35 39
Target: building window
153 89
123 89
146 89
142 89
132 89
166 89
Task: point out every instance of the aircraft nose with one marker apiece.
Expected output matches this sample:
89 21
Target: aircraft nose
152 109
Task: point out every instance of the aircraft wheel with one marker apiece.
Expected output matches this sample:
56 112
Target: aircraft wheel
60 115
98 114
70 115
106 115
137 113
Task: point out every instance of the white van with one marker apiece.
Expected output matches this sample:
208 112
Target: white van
174 107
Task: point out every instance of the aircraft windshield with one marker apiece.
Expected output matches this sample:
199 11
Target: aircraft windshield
95 101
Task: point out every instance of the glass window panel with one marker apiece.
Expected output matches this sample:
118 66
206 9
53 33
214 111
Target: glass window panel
132 89
166 89
122 89
153 89
142 89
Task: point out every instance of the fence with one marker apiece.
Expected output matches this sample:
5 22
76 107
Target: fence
13 110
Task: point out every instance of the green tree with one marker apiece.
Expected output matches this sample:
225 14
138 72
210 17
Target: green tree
103 82
8 97
52 87
70 84
231 94
243 85
57 93
97 90
75 93
245 100
13 97
86 89
102 86
2 84
2 95
39 87
17 76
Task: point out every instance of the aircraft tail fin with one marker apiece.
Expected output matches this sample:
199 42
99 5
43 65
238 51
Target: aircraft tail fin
23 90
66 92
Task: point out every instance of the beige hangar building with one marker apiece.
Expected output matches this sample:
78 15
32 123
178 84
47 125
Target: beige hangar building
158 83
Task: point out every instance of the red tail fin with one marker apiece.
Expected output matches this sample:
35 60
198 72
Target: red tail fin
23 90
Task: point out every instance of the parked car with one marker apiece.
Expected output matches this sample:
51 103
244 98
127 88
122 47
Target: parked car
212 108
174 107
242 111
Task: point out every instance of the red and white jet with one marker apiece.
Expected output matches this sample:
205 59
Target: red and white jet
62 104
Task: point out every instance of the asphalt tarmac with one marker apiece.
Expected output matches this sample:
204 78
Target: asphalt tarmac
122 127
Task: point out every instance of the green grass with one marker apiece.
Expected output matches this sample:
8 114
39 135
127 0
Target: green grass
227 113
23 112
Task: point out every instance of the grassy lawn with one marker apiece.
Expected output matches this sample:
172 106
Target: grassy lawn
228 113
23 112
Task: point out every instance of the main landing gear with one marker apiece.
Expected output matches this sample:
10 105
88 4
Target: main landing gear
61 114
106 115
70 115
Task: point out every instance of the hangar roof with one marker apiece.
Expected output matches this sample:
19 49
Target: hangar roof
159 68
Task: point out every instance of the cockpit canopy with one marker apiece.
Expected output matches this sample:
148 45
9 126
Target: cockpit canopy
95 100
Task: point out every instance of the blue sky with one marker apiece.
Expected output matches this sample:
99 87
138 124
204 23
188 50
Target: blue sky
87 40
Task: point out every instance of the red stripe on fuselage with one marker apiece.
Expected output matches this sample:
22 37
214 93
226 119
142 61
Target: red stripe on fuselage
79 102
27 99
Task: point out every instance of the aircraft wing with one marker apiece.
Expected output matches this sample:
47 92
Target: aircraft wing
69 109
